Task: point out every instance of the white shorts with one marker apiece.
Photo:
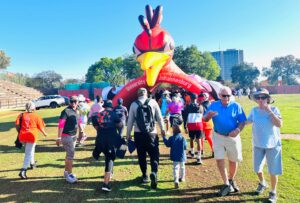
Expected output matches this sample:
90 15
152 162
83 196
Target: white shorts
231 146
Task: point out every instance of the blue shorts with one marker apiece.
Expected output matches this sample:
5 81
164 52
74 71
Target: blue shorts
273 157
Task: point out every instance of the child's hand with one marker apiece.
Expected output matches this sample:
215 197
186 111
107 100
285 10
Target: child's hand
58 142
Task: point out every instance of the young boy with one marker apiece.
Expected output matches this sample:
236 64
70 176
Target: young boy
193 125
177 143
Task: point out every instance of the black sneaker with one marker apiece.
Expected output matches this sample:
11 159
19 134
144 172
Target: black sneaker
199 162
191 154
260 188
176 185
181 180
22 174
234 185
153 178
33 166
106 187
212 155
272 197
202 152
225 190
145 179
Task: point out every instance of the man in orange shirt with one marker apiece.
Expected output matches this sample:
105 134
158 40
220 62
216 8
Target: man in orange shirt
28 124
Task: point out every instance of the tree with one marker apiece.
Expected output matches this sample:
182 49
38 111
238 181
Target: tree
106 69
131 67
244 74
72 80
288 67
45 80
4 60
192 61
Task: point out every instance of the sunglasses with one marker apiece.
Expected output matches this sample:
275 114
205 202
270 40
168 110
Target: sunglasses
73 101
260 97
226 95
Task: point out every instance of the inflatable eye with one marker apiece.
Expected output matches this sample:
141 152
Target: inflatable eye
136 51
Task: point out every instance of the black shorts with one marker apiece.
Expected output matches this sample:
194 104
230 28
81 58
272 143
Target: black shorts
195 134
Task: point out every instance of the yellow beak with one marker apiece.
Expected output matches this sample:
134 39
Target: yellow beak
152 63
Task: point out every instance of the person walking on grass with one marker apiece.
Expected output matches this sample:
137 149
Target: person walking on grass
175 107
67 131
142 115
193 114
107 122
266 121
28 124
229 120
207 126
163 103
83 109
177 143
122 112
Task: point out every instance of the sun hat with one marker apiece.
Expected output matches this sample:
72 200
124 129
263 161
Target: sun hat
261 91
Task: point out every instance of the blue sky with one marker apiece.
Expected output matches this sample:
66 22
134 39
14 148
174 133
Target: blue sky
67 36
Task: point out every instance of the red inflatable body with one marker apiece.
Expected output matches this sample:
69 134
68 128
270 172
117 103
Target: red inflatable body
129 91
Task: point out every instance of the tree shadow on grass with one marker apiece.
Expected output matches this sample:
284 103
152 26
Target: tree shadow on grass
49 189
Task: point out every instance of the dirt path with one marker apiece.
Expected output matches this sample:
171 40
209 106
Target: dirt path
290 136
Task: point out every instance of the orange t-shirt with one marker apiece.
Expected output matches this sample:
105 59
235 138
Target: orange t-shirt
187 99
207 125
31 123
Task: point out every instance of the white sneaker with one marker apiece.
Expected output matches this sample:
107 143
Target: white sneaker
71 178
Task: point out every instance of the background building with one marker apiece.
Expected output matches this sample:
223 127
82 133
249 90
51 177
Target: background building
227 59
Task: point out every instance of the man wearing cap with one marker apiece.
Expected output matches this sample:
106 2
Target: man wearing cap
122 112
146 142
67 131
266 122
229 120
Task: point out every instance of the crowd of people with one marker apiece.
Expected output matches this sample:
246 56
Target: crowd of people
219 122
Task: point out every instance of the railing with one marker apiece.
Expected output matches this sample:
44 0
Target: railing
12 103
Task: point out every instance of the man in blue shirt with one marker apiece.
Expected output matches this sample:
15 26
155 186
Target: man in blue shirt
229 120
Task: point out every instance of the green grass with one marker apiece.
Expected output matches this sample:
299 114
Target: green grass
46 183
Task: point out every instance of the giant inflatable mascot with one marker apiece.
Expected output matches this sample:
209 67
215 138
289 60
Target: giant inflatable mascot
154 49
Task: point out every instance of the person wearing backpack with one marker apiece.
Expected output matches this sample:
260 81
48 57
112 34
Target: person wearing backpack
107 139
142 115
122 112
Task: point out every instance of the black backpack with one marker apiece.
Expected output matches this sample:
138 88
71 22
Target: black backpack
144 117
